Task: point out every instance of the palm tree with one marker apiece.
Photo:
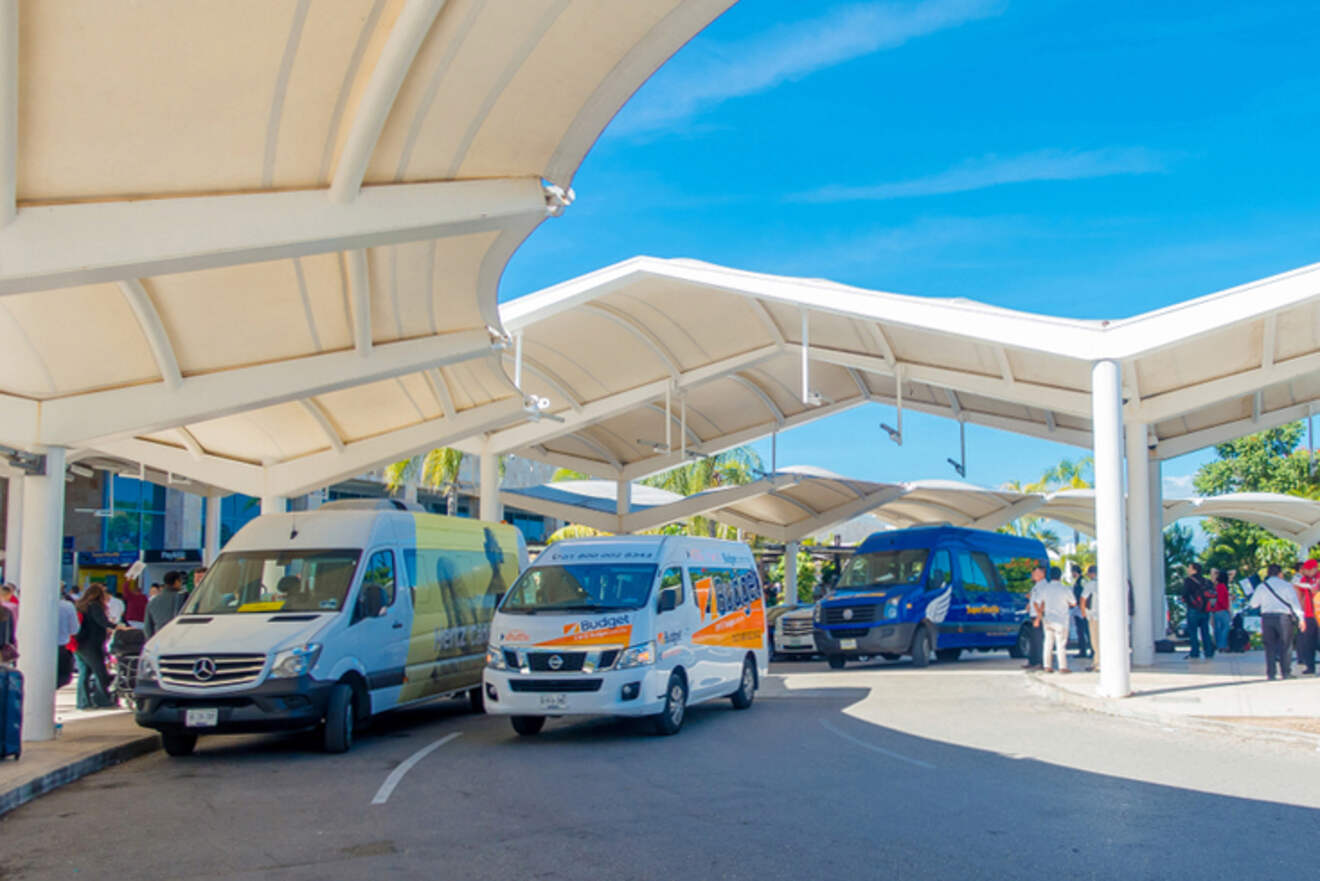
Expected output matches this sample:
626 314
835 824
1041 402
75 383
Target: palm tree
735 467
439 470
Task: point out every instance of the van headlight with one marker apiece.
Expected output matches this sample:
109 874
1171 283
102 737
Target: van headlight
637 656
148 670
295 662
891 608
495 658
815 613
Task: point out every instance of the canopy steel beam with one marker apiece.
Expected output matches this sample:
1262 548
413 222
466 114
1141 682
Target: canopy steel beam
54 246
144 408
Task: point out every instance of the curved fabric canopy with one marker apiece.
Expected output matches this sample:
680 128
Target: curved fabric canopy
275 246
737 355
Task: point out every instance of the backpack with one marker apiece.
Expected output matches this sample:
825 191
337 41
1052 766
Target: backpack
1204 597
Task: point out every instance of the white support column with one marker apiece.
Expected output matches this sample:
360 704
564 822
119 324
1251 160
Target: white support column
490 508
274 504
39 581
790 572
14 528
1159 606
410 491
1139 517
1110 536
622 501
211 529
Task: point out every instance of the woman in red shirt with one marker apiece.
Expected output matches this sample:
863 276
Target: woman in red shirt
1307 584
1220 616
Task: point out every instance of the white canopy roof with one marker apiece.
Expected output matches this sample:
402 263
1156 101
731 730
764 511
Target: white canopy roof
728 346
801 501
285 237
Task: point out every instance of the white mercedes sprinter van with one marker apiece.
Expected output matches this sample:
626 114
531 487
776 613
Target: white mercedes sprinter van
629 626
327 618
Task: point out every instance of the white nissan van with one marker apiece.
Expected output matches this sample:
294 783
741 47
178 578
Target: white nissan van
629 626
326 618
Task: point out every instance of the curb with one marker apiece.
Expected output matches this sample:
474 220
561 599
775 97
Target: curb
77 769
1120 709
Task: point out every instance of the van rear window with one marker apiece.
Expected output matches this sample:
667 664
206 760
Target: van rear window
884 568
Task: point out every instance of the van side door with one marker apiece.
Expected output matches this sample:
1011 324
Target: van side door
981 598
378 635
945 613
674 628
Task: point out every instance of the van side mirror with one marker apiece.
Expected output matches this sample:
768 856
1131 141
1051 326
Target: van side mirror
668 601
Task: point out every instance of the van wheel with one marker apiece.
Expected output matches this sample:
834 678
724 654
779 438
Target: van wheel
476 700
921 648
670 719
178 744
836 662
340 720
742 698
1022 647
948 654
527 726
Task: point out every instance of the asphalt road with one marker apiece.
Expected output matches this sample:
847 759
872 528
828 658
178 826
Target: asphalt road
951 772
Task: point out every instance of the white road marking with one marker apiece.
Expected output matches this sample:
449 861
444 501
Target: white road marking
893 755
387 788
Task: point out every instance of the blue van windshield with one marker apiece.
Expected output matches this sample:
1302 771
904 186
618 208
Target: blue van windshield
883 569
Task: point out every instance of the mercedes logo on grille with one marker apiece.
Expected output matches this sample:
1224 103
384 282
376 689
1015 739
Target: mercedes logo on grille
847 614
555 662
203 669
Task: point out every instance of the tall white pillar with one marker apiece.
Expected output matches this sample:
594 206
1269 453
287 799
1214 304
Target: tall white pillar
274 504
14 528
622 500
1110 537
790 573
490 508
1139 516
39 582
1159 606
211 529
410 492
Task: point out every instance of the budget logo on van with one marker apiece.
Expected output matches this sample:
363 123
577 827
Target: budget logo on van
607 630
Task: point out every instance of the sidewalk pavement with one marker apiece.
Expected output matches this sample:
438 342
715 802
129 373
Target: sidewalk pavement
89 741
1227 692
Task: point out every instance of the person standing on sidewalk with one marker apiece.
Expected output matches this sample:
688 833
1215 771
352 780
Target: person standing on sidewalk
1220 619
1056 602
1034 611
1308 581
1199 596
1084 647
1277 601
165 605
1089 604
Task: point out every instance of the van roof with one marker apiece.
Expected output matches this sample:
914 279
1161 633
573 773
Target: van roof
335 527
929 536
642 549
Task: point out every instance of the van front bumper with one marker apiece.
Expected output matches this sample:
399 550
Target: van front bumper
881 639
510 693
273 705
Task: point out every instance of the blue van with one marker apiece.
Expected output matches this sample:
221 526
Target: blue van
930 590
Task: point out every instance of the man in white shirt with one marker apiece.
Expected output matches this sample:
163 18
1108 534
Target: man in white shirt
1090 609
1279 608
1037 640
68 628
1054 608
114 606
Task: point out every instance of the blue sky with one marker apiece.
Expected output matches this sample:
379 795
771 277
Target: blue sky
1087 160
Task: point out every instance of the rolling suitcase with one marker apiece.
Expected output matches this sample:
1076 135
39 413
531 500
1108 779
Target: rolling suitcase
11 713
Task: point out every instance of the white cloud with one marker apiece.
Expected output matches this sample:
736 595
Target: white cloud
993 171
1178 486
790 52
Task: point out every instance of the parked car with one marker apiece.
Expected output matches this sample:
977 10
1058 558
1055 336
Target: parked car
791 631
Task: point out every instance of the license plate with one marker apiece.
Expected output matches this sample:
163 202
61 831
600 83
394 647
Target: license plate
554 701
847 643
201 718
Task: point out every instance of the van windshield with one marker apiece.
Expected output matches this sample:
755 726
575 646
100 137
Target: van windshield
883 568
588 587
275 581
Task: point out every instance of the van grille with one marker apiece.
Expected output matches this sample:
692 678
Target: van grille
570 662
545 685
230 670
850 632
860 614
